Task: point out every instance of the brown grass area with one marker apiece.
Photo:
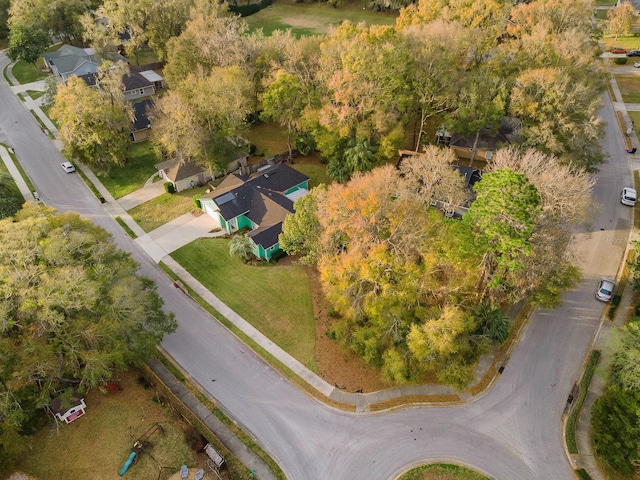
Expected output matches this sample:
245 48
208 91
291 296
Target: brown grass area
96 445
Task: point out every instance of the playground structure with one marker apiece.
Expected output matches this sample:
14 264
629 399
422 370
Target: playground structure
139 446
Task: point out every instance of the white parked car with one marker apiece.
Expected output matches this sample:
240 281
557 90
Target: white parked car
605 289
628 196
637 64
68 167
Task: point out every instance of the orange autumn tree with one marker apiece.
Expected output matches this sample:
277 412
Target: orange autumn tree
387 263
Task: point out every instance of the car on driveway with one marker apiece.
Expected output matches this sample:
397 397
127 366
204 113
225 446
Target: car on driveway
605 289
618 50
633 53
628 196
68 167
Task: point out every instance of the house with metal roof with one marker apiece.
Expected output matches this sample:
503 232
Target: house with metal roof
259 202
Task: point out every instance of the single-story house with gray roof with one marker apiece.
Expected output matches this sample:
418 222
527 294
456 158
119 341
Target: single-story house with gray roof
260 202
183 175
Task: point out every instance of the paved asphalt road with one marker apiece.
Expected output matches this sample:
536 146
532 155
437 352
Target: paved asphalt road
512 432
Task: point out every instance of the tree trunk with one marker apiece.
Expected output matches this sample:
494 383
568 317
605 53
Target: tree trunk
420 130
473 149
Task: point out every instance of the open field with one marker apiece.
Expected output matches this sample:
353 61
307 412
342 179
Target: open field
314 18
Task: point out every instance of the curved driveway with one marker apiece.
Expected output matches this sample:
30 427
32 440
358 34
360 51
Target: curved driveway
511 432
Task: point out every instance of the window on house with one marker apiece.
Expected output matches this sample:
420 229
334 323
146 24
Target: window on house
142 91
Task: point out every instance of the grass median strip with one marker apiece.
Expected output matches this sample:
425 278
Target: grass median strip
570 433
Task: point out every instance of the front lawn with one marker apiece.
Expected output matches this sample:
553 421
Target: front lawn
630 43
137 170
275 299
314 18
629 88
26 73
164 208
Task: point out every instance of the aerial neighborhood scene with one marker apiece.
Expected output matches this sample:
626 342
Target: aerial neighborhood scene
319 240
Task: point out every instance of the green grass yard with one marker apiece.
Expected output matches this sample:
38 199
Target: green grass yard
26 73
137 170
164 208
275 299
314 18
629 88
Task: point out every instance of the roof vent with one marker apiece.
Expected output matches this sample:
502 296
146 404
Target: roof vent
266 175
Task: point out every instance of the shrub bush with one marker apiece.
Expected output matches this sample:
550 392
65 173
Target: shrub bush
620 61
169 188
196 201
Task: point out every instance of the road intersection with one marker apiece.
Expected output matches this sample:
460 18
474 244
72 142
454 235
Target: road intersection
512 431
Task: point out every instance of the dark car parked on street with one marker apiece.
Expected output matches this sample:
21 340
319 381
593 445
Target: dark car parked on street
633 53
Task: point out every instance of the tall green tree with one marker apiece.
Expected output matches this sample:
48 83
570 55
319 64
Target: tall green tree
545 100
283 101
301 231
59 18
206 118
73 312
503 218
211 38
26 43
147 22
94 122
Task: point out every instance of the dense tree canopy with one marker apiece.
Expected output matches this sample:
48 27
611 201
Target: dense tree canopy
59 18
73 312
415 291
